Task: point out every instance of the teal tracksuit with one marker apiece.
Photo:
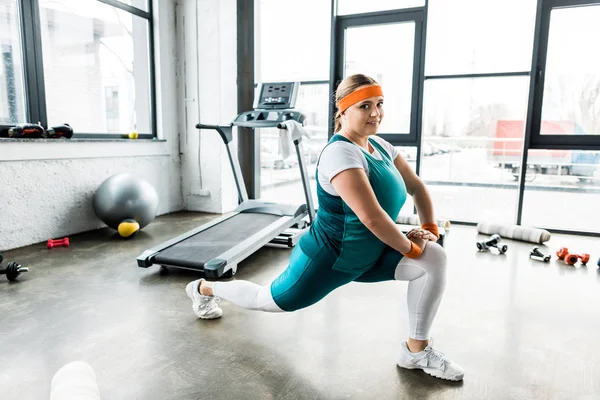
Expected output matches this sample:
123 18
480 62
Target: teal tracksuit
338 248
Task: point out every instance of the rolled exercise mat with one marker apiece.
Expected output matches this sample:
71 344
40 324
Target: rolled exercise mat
414 220
75 381
515 232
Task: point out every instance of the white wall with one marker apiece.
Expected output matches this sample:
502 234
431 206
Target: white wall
206 37
46 187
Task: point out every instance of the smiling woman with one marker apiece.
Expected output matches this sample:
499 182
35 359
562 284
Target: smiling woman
347 94
362 184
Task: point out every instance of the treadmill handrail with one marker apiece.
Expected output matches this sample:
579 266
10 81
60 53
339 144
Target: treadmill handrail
310 206
224 131
226 134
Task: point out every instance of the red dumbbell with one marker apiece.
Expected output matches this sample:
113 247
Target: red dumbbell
571 258
58 243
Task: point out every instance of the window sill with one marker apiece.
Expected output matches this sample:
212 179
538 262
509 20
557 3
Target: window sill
59 149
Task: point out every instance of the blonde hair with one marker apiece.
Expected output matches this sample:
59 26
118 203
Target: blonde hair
347 86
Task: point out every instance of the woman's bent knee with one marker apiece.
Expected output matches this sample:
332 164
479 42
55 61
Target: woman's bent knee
433 258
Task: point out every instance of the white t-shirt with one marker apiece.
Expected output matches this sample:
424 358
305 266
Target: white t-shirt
341 155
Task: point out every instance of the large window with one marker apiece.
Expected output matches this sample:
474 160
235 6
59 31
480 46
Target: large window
12 103
475 36
476 92
572 82
561 190
292 40
295 48
473 130
487 101
394 71
90 47
87 63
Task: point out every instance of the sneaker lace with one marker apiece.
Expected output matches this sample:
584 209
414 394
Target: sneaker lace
435 356
209 303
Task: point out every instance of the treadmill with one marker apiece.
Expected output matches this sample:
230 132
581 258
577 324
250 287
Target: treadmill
217 247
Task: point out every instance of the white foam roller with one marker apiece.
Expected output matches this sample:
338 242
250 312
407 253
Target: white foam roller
414 220
515 232
75 381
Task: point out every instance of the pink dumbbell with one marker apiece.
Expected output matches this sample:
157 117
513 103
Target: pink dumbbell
58 243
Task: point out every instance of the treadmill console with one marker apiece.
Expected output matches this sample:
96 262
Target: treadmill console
275 105
280 95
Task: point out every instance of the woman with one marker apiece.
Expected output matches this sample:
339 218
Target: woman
362 184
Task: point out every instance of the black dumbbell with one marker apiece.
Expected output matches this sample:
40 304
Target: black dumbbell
60 131
536 254
493 241
13 270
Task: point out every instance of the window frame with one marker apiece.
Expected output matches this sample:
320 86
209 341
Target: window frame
342 23
538 140
31 47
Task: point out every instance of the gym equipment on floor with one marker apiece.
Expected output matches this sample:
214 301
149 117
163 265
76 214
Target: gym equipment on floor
571 258
13 270
515 232
126 203
64 242
536 254
217 247
493 241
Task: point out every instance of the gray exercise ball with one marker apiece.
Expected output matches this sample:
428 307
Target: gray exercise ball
126 199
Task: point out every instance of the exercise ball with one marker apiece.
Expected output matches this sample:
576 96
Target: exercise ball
126 203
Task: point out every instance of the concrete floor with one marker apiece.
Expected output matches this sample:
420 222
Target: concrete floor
521 329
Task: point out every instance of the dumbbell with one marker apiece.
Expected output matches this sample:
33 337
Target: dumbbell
536 254
60 131
493 241
27 131
13 270
64 242
571 258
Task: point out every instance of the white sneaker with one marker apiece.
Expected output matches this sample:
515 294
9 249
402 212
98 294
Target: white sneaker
204 307
433 362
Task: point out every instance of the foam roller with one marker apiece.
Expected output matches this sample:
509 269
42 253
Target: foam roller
515 232
414 220
75 381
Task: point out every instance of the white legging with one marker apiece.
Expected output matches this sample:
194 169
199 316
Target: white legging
426 276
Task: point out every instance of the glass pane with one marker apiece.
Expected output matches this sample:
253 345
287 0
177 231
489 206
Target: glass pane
473 133
96 67
280 177
141 4
292 40
566 181
474 36
392 69
572 84
358 6
12 88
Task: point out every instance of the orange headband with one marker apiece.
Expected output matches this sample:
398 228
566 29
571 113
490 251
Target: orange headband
358 95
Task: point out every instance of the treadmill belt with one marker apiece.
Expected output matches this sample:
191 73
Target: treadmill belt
196 250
